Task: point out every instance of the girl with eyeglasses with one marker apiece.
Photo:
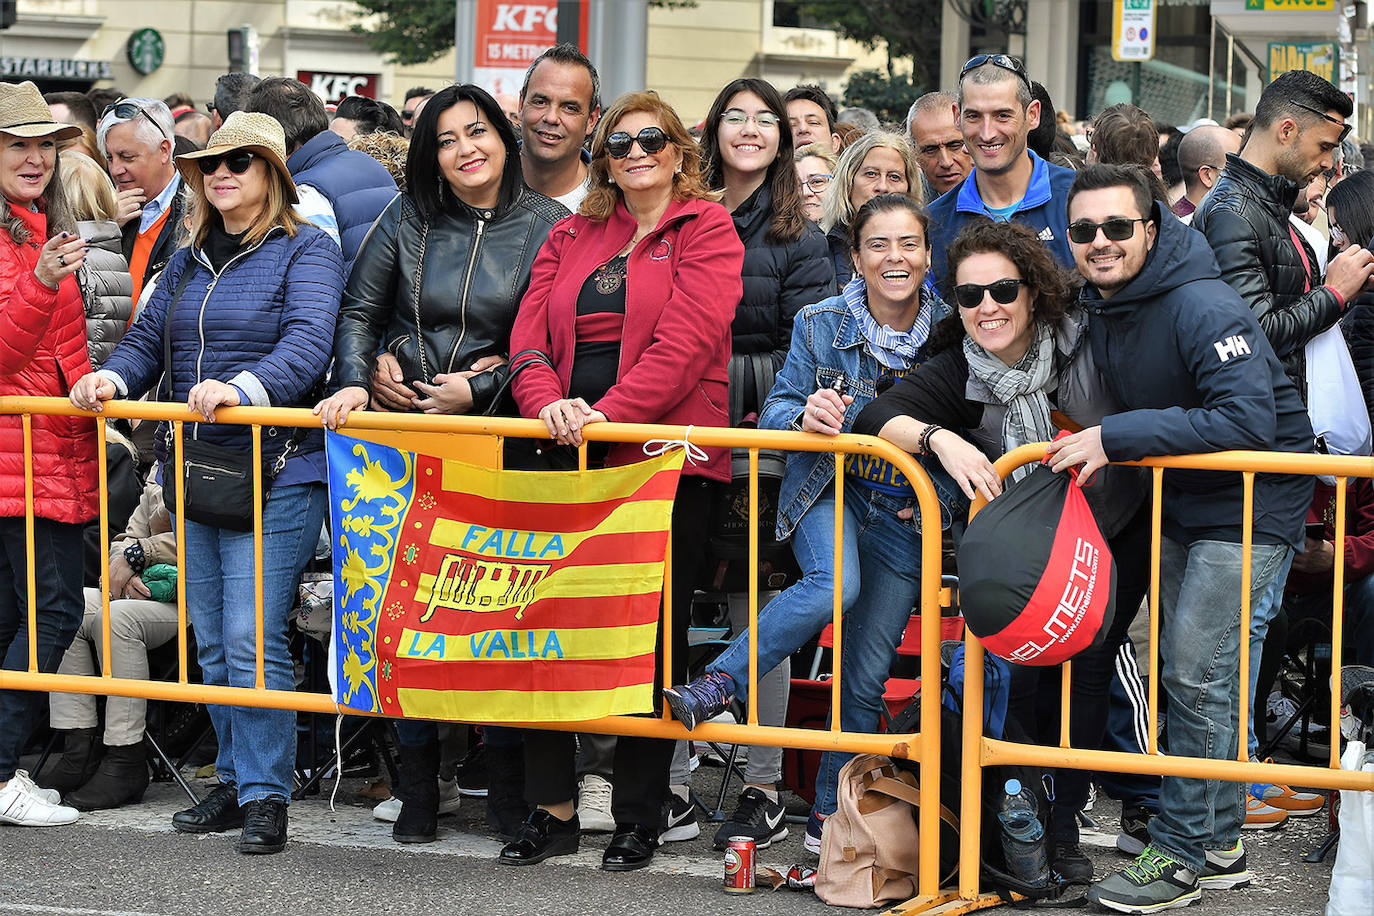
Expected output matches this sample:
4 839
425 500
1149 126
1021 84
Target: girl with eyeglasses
629 311
746 144
879 162
844 350
243 316
1014 354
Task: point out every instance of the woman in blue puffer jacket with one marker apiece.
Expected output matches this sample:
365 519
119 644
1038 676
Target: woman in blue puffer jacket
251 306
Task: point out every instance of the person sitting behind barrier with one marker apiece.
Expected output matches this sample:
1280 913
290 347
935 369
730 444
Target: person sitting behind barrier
630 304
92 773
475 230
844 349
1016 351
42 345
256 297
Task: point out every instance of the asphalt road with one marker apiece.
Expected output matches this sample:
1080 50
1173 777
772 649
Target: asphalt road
130 863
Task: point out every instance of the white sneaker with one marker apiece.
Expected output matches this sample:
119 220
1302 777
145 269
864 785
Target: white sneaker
22 806
388 810
594 805
51 796
449 798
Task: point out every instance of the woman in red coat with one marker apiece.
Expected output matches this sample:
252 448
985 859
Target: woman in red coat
631 301
42 350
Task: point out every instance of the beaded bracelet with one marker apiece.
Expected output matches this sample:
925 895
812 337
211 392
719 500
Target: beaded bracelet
923 443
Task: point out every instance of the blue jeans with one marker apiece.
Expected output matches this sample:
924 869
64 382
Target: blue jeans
882 562
257 747
1199 590
57 561
1261 614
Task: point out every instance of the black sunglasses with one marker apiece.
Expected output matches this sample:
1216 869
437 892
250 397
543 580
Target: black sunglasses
1345 128
238 161
1004 291
127 111
1005 61
650 139
1116 229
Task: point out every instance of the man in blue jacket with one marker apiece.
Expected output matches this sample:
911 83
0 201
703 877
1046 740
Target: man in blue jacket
1185 356
357 186
996 113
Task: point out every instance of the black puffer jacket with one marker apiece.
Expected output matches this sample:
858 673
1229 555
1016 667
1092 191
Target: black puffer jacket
459 278
1358 328
779 280
1245 220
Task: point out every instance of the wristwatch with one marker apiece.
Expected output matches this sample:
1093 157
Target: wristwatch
134 556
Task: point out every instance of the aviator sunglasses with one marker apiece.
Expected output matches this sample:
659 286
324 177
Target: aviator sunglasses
1116 229
650 139
127 111
1004 291
237 160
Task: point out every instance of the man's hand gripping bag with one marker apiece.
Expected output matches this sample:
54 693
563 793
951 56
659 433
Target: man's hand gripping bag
1036 580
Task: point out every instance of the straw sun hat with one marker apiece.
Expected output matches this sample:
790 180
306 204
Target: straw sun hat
23 113
249 130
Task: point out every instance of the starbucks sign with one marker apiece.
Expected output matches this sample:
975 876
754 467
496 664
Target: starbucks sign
145 50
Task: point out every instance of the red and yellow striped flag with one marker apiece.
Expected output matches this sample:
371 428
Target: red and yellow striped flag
466 593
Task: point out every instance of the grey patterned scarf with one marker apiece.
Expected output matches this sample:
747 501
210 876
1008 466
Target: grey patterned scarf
1021 388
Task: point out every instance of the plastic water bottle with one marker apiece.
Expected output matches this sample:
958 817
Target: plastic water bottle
1023 836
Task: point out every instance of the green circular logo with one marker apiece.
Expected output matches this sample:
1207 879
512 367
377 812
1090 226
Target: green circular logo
146 50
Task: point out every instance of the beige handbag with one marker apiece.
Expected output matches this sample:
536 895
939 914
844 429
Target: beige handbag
870 845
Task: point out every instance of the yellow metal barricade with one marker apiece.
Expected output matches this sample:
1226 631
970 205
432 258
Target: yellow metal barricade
923 746
980 751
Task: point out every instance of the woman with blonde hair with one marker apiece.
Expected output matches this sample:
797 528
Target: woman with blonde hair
106 287
879 162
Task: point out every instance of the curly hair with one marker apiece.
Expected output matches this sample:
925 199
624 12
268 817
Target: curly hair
688 184
1052 288
388 148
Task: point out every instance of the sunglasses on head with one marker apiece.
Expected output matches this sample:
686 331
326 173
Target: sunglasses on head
127 111
1005 61
1116 229
1004 291
1345 128
650 139
237 160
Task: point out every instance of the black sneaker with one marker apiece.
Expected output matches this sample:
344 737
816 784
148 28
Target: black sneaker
472 772
757 817
679 820
1069 863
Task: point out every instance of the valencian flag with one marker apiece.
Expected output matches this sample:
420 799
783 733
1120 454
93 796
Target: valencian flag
462 592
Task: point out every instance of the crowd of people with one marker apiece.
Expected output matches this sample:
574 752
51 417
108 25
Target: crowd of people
972 280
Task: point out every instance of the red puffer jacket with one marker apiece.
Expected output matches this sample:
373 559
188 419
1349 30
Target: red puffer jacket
42 354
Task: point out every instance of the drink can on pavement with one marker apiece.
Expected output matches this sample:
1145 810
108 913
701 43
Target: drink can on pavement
741 858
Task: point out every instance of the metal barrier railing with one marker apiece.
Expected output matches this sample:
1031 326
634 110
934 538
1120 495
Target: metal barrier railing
980 751
923 746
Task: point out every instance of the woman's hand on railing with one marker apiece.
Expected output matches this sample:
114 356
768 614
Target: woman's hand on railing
388 385
565 418
334 410
824 412
210 394
969 467
90 390
1083 449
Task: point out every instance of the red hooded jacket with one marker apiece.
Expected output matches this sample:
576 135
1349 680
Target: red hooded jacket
42 354
682 289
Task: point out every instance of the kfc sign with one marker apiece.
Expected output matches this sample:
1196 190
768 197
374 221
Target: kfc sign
332 87
510 35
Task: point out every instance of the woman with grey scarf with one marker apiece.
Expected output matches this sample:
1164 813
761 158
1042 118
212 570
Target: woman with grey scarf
1010 369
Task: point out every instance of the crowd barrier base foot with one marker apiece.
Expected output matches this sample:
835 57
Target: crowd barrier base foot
946 903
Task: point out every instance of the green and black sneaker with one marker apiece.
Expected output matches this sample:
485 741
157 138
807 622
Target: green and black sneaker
1153 882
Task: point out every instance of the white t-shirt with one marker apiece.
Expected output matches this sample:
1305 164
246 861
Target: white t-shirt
573 199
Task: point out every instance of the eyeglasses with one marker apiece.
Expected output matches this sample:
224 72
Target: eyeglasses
1345 128
237 160
650 139
765 120
1004 291
1338 236
817 183
1116 229
127 111
1006 62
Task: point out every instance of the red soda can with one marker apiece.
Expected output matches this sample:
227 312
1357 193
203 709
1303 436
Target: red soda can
741 858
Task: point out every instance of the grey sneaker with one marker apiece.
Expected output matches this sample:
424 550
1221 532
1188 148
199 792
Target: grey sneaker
1153 882
1225 868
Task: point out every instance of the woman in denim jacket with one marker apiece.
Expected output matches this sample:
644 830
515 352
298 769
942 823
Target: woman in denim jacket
844 350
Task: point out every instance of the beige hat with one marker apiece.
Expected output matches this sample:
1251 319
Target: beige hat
249 130
23 113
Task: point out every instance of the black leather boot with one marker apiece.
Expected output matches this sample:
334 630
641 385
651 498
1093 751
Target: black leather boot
264 827
506 807
418 821
80 756
120 779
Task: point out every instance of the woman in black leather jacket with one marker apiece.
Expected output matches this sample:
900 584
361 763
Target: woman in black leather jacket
426 317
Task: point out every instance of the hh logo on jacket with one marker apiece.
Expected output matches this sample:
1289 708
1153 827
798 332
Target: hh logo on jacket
1234 345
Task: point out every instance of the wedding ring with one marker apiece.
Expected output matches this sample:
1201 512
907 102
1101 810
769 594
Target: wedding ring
61 260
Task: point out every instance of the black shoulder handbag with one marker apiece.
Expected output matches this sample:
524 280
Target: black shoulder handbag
217 481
